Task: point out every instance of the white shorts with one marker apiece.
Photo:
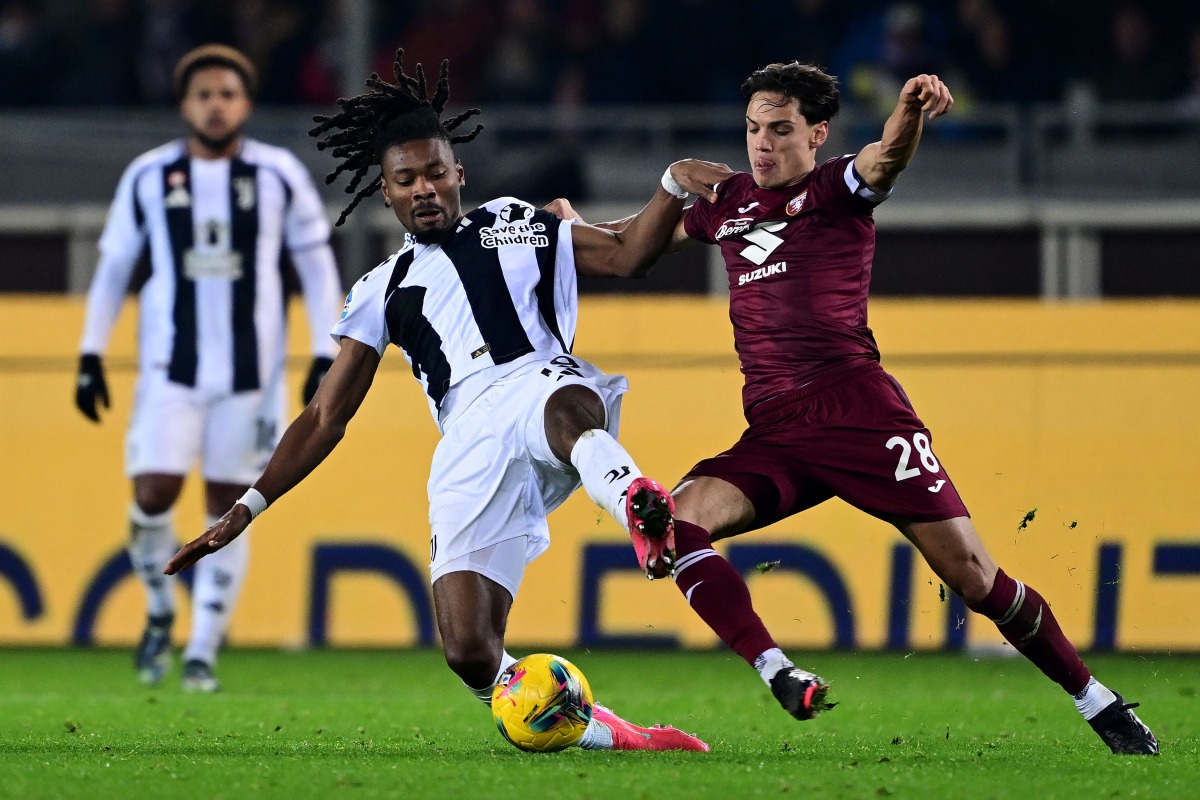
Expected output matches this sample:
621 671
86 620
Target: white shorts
494 478
231 434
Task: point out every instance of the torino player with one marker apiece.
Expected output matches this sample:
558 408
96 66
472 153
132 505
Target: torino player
825 419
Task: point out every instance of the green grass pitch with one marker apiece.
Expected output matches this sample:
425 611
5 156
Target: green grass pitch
74 723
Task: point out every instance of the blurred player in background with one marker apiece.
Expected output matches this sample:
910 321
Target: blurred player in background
825 419
216 209
484 307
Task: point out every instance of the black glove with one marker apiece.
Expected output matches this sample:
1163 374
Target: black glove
90 386
316 374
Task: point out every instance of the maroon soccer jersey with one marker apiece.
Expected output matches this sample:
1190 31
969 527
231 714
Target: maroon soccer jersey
799 264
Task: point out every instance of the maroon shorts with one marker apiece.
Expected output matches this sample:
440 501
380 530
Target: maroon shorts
852 435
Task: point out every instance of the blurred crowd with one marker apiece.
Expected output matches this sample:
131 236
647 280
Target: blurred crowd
121 52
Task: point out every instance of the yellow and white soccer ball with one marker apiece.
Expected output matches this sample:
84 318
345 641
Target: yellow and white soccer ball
542 703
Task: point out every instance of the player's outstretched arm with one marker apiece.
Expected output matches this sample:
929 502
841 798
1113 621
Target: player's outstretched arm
305 444
630 251
880 163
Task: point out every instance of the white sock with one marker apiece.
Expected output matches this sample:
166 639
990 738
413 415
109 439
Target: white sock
606 470
770 662
1094 698
219 578
151 545
485 694
597 736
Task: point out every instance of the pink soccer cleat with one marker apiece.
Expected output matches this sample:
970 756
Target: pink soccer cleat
650 516
627 736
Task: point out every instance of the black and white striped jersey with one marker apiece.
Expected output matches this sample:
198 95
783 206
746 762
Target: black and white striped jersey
501 290
213 310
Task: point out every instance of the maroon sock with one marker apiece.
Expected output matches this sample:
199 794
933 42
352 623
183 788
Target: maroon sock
715 591
1029 625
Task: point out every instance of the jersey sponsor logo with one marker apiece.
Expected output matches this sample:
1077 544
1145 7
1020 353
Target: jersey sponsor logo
759 273
733 227
487 348
796 203
197 265
534 235
763 241
212 257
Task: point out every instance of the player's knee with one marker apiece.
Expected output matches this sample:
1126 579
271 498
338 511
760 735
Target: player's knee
574 409
973 583
473 658
154 500
156 494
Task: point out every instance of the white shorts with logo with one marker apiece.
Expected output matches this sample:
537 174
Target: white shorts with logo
231 434
494 478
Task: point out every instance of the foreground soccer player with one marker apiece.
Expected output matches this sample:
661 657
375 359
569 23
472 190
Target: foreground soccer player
825 419
215 210
484 307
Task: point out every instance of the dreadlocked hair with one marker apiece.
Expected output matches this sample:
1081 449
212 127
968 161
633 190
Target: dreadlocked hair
386 115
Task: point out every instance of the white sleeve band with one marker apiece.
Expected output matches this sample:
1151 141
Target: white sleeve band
856 184
672 186
254 501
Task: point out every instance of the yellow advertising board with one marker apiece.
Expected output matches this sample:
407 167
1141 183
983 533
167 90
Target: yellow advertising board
1072 432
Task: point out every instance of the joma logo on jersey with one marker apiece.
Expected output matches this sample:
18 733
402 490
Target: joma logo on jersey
534 234
762 272
733 227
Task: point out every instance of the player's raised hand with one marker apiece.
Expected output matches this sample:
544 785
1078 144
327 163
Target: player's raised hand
223 531
929 93
700 177
90 386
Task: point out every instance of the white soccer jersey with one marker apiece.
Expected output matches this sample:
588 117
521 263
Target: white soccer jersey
213 311
499 292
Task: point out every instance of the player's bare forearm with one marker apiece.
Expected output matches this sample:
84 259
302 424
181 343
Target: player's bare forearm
631 251
616 224
881 163
561 207
321 425
310 438
642 238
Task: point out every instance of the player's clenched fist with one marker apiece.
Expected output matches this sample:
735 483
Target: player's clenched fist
929 93
700 177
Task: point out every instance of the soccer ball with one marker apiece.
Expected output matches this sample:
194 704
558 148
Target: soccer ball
542 703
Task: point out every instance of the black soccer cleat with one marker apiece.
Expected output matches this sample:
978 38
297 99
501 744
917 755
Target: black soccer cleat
1122 731
802 694
198 677
153 654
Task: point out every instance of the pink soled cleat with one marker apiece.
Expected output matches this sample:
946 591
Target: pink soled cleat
650 516
627 736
